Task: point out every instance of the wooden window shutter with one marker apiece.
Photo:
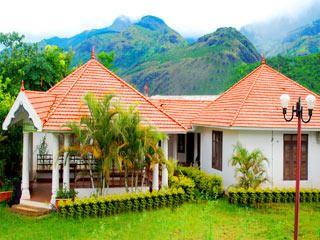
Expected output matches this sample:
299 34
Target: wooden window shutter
217 150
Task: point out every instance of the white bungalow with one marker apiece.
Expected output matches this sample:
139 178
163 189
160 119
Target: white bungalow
250 113
202 130
47 113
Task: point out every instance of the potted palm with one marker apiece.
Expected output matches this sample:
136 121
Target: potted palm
63 195
6 190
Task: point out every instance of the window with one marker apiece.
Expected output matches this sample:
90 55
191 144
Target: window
290 156
217 150
181 143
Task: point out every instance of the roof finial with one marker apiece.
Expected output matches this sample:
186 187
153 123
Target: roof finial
22 86
263 59
93 56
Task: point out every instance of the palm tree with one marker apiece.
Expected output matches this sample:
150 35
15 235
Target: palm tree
84 147
138 144
250 167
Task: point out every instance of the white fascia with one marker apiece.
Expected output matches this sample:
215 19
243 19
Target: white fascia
23 101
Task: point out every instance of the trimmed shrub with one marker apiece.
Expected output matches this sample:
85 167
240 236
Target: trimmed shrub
115 204
185 183
251 197
208 186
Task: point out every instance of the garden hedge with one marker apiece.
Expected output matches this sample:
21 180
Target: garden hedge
114 204
208 186
253 197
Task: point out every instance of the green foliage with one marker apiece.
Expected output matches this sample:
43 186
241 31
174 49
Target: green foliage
39 68
7 185
208 186
250 168
106 59
255 197
115 204
66 194
303 69
185 183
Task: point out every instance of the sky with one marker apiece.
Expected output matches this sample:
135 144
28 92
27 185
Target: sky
38 19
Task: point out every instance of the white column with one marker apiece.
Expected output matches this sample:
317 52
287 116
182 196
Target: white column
175 146
66 163
155 177
164 174
55 166
25 167
195 150
165 148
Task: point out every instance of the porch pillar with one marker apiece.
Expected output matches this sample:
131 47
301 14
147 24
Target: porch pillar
155 177
175 147
164 174
66 163
55 166
25 167
195 150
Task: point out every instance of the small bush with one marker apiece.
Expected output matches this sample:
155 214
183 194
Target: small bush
208 186
251 197
185 183
114 204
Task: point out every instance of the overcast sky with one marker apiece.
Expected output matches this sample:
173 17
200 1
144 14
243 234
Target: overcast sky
42 18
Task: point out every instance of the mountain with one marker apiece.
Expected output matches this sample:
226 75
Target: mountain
131 42
200 68
268 35
303 41
149 51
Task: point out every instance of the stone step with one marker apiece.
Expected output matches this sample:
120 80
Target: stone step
29 210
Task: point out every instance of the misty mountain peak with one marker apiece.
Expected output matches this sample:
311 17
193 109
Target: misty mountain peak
151 22
121 23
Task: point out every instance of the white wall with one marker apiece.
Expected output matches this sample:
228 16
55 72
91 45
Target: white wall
271 144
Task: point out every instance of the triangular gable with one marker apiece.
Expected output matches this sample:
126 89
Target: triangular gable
22 102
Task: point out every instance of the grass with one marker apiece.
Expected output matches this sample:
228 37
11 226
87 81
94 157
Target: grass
210 220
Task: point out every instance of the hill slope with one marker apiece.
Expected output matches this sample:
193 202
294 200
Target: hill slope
149 51
303 41
131 42
200 68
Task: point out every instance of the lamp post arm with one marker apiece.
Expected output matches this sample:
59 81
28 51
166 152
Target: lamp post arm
309 116
285 114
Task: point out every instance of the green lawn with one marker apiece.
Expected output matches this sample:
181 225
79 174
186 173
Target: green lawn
211 220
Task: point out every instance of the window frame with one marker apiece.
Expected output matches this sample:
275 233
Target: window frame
181 143
292 172
217 143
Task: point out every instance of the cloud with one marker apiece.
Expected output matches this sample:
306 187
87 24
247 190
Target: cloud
38 19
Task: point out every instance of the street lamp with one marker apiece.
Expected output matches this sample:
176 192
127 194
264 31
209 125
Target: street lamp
298 112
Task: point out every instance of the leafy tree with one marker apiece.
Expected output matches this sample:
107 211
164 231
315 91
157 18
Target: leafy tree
40 68
250 167
106 59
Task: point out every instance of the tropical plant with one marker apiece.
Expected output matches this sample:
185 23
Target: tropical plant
43 146
250 167
66 194
139 147
106 59
99 133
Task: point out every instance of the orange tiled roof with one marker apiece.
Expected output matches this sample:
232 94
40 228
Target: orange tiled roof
254 102
183 110
63 103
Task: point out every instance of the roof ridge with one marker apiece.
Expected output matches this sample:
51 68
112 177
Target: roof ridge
139 93
60 82
293 81
228 90
246 97
84 68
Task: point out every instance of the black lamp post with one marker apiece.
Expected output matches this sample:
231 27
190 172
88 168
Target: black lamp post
298 112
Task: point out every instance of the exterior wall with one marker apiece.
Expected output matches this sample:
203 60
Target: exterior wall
271 144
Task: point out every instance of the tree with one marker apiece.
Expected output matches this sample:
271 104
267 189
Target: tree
106 59
139 144
249 166
40 68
